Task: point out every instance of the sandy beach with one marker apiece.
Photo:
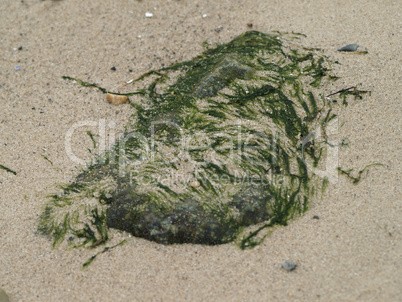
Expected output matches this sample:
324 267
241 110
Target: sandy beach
353 252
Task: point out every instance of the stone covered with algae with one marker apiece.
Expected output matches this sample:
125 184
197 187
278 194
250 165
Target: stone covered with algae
215 146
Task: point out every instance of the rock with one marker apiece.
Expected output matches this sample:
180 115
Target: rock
194 184
186 223
213 147
349 47
116 99
289 265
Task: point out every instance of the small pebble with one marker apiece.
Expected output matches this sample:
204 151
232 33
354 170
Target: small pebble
149 15
116 99
204 15
218 29
195 184
289 265
20 48
3 296
345 142
250 25
113 68
349 47
17 67
316 217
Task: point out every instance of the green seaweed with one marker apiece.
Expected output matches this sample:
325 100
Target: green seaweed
106 249
47 159
222 147
8 169
356 179
91 136
346 92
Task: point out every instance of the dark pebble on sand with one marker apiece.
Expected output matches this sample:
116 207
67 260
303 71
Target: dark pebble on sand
289 265
349 47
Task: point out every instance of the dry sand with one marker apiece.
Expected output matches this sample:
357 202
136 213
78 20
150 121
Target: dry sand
352 253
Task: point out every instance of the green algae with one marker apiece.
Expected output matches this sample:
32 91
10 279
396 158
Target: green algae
356 179
220 144
106 249
8 169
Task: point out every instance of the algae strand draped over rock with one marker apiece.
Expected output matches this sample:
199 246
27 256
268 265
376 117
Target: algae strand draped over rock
215 147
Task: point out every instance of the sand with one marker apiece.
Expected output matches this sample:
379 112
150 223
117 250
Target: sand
353 252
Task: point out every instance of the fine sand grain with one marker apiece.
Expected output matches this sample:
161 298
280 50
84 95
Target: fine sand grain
353 252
